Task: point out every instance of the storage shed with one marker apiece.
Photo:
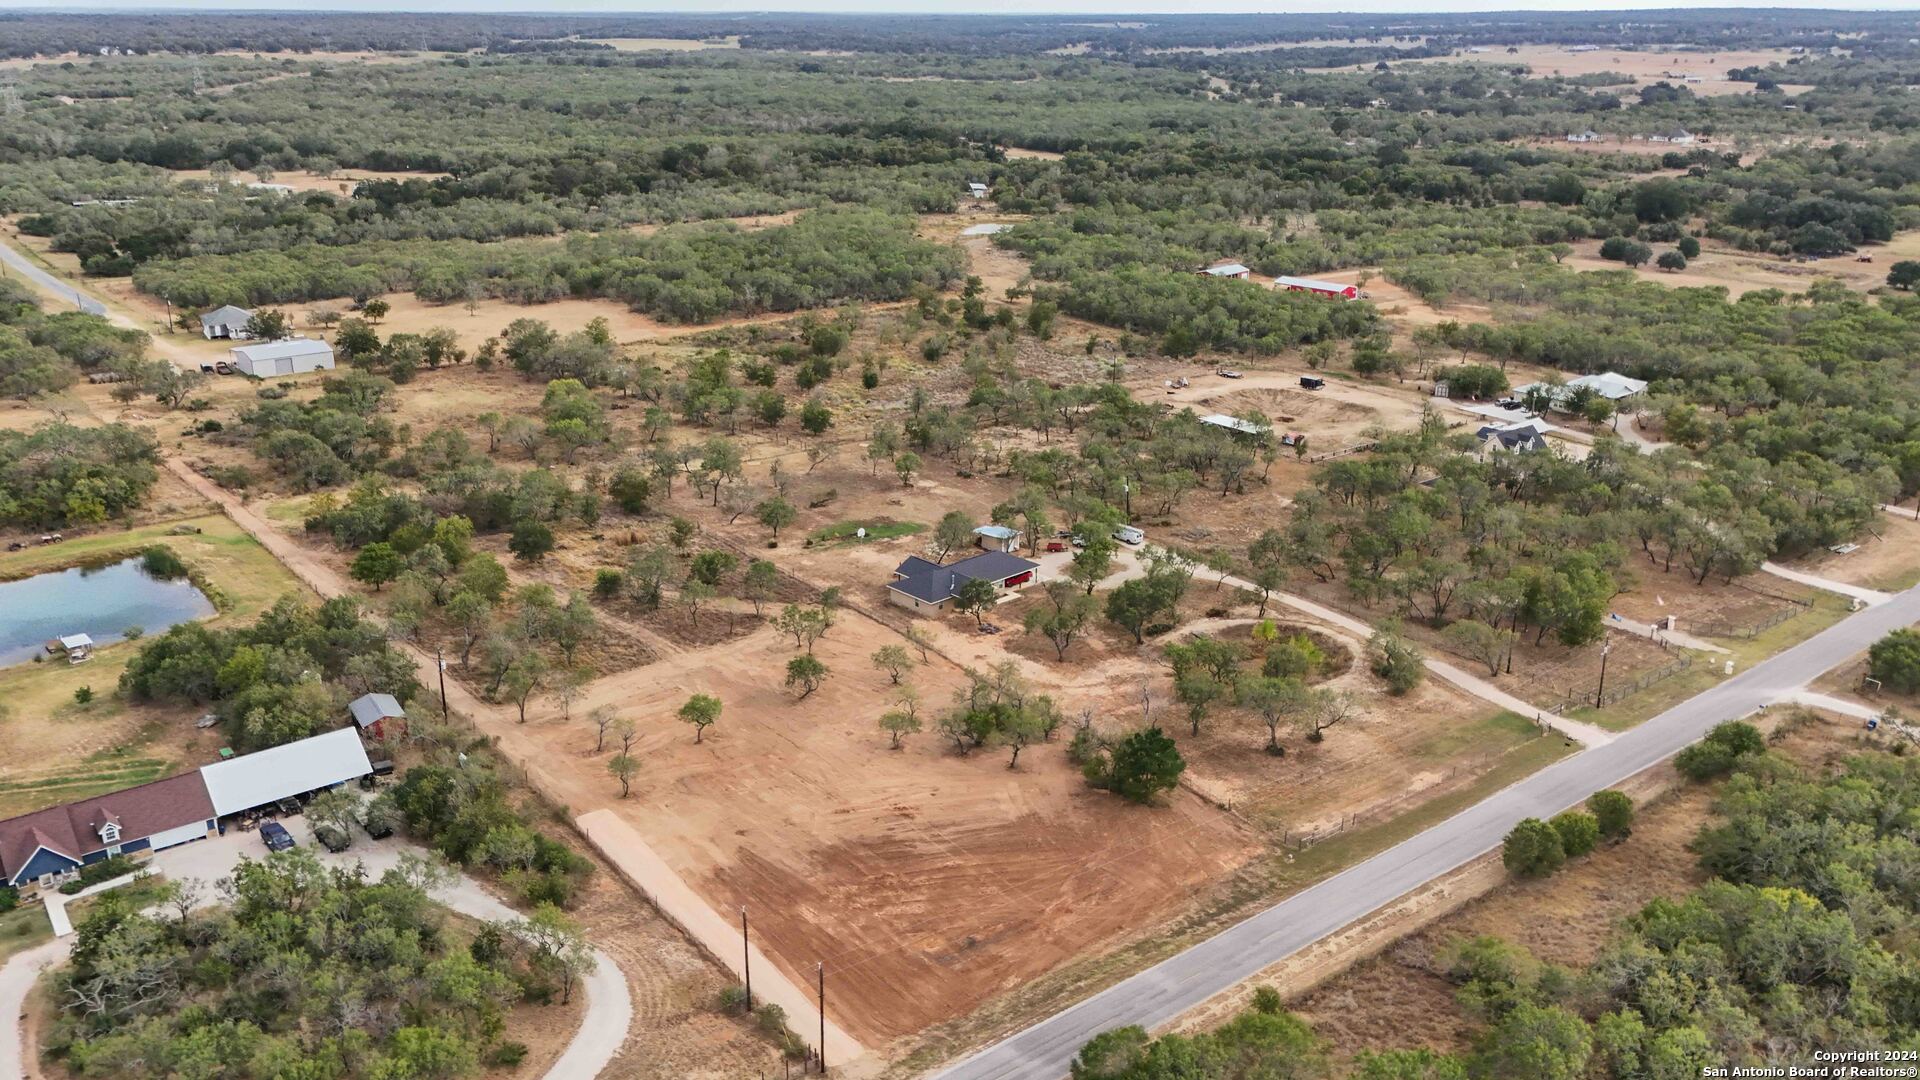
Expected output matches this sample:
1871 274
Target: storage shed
292 357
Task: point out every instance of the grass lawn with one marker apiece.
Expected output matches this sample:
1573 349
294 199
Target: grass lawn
1496 732
1709 668
877 529
23 928
58 750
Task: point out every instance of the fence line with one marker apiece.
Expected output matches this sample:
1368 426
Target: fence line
1750 630
1300 839
1620 689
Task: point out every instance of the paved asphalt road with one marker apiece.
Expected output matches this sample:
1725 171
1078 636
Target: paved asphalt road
18 263
1164 991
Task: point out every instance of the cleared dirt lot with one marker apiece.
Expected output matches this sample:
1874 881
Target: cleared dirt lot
341 182
1645 66
927 881
1887 559
1741 272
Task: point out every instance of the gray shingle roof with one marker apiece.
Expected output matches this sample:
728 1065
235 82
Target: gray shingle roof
942 582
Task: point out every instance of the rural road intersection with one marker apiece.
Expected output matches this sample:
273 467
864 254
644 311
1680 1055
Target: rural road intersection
1162 992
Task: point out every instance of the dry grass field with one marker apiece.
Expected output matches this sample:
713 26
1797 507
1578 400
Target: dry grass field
1643 66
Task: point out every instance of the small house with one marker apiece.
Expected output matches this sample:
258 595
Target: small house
295 356
226 322
977 190
1676 136
78 648
1587 136
996 538
1331 289
1227 270
379 715
920 585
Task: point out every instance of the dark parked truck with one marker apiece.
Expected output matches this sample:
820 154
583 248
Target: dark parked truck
276 836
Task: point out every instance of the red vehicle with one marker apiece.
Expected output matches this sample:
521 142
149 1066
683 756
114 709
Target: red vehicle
1056 545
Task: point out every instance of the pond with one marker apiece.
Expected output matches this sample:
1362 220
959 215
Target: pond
99 601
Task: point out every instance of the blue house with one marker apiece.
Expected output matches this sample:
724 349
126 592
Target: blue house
40 849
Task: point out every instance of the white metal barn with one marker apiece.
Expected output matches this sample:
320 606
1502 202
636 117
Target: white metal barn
292 357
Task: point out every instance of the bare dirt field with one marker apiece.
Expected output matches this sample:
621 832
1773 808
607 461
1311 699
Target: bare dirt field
1887 559
1021 153
926 880
1741 272
665 44
997 268
1646 66
340 182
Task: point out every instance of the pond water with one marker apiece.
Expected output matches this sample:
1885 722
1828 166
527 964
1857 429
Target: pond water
99 601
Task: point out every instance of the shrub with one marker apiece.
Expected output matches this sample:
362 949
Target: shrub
1267 1000
1533 849
1396 660
162 564
83 696
1579 832
1613 813
507 1055
1720 751
733 999
607 582
770 1018
9 898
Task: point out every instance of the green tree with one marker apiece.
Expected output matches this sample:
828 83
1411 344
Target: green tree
1579 832
1533 849
1534 1042
894 660
775 513
702 711
1904 274
1612 813
624 768
953 532
376 565
531 540
976 597
1145 763
1395 659
1722 749
1671 261
806 673
1895 660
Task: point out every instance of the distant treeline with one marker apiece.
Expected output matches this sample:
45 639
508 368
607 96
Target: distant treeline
49 34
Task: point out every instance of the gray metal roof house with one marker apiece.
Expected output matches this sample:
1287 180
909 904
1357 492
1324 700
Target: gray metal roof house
225 322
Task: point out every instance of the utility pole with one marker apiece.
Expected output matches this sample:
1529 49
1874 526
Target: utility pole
821 969
1605 648
441 663
746 956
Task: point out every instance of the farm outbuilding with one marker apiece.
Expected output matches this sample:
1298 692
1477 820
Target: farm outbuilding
1227 270
1332 289
996 538
282 772
293 357
379 715
225 322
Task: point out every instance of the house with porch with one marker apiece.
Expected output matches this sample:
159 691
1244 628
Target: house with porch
41 849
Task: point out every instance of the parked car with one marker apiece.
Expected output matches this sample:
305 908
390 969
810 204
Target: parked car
1229 373
1127 534
378 829
332 839
223 368
1312 382
206 369
288 807
276 836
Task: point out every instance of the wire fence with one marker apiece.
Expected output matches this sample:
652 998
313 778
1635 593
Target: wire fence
1619 689
1748 631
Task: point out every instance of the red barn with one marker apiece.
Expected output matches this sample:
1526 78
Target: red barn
1317 287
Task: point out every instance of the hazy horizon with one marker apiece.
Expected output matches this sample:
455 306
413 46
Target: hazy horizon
747 8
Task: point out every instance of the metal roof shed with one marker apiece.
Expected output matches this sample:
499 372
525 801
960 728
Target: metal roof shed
259 778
